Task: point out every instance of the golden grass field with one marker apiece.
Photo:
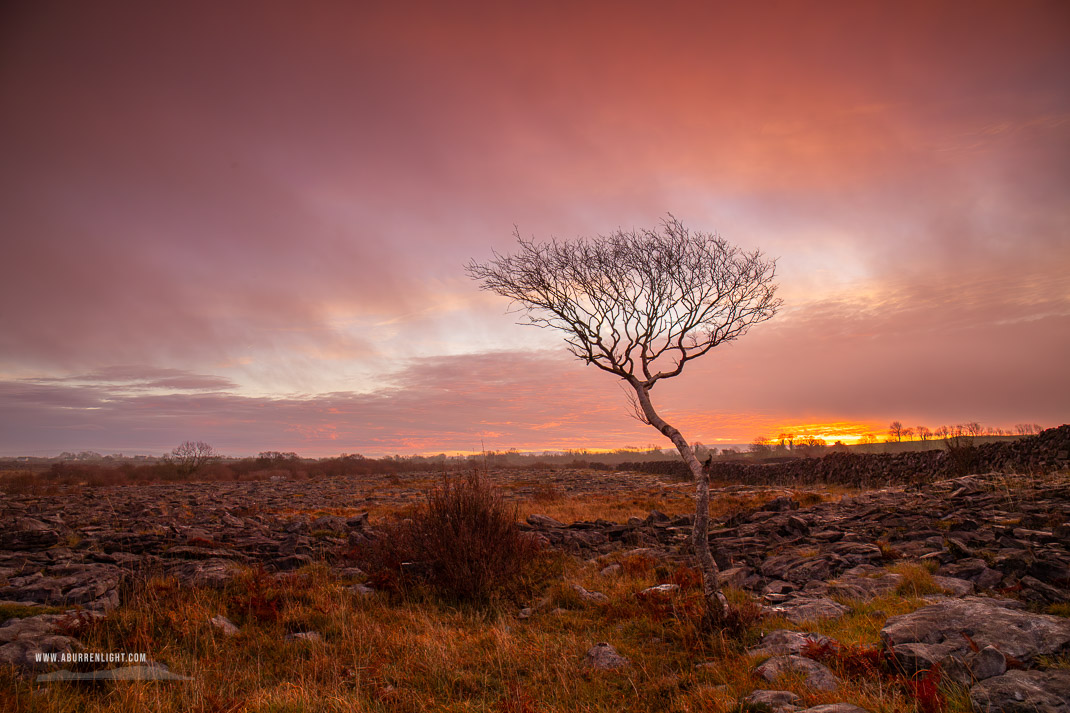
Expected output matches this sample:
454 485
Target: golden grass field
383 653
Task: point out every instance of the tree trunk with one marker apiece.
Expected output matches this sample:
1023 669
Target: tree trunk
700 532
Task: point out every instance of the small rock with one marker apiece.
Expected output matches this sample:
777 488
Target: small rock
988 662
589 596
785 641
803 609
611 571
224 624
604 657
778 701
661 590
309 636
544 521
775 701
955 586
362 590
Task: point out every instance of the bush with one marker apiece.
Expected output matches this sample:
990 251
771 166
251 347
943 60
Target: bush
963 455
463 545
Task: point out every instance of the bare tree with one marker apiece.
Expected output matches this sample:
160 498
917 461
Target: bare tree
810 446
191 455
895 430
924 433
761 447
640 305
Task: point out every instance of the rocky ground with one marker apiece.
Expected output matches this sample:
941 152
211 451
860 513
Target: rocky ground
999 545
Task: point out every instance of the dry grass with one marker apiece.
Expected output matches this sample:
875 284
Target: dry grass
383 655
380 653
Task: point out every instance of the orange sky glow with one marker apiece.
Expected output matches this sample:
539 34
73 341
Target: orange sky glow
246 223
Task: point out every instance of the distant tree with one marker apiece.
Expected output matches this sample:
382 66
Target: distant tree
810 446
895 431
868 438
640 305
761 447
908 433
275 457
923 432
942 431
1028 429
973 428
191 455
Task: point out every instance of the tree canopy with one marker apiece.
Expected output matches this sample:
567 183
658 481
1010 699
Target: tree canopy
639 304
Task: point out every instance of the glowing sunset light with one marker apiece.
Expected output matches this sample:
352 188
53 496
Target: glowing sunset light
260 244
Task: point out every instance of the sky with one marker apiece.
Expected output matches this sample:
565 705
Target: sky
246 222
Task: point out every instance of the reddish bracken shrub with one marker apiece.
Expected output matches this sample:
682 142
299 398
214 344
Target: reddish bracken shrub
850 661
870 662
463 545
926 691
687 578
259 600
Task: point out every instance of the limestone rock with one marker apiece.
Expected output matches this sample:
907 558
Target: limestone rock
803 609
1023 692
224 624
785 641
816 675
775 701
986 622
604 657
589 596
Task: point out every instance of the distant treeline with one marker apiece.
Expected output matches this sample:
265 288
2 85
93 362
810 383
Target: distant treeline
961 455
94 470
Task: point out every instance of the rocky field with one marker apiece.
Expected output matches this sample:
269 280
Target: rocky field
991 553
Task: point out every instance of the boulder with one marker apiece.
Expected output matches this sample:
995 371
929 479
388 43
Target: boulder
1023 692
33 652
815 675
955 623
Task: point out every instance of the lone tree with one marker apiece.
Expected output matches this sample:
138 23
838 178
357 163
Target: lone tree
191 455
641 305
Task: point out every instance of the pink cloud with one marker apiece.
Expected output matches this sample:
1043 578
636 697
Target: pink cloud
254 203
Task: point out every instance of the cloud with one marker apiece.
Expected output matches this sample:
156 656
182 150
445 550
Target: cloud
143 378
278 220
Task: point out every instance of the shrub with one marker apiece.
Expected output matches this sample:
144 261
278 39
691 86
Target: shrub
963 456
462 544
